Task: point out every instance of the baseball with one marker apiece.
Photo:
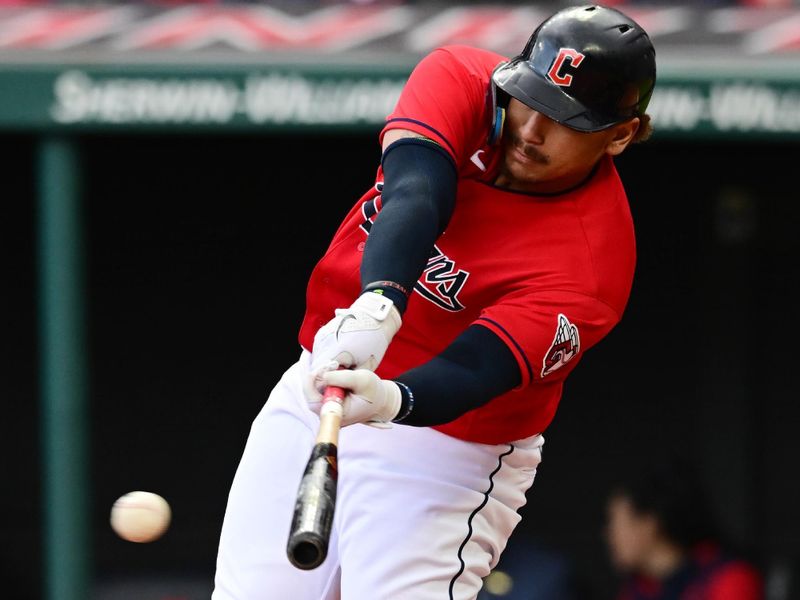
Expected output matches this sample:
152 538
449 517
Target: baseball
140 516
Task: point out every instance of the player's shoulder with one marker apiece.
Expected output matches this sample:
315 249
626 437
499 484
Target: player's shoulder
736 573
470 58
726 575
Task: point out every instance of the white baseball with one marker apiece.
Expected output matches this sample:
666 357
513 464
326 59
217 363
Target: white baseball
140 516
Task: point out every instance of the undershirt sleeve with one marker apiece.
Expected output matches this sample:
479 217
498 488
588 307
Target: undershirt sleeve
417 200
476 367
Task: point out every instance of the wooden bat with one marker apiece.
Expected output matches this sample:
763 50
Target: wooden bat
316 497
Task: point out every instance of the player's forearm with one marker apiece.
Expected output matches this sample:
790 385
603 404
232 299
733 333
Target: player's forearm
417 200
475 368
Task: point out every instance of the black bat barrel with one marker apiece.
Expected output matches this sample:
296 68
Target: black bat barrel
313 511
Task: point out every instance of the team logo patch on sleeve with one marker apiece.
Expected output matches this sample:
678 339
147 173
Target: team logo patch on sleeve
565 346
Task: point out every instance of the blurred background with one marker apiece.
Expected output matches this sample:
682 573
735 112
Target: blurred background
172 172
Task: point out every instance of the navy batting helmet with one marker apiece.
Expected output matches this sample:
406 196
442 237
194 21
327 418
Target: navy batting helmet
587 67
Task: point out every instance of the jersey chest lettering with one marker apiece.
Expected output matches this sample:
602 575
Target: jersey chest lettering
369 209
441 282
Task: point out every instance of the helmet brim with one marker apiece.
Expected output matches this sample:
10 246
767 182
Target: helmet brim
519 80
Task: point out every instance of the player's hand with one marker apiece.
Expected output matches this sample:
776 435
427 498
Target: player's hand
369 399
357 337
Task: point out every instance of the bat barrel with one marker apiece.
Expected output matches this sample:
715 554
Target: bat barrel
310 532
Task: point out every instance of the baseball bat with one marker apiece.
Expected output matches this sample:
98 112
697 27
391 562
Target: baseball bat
316 497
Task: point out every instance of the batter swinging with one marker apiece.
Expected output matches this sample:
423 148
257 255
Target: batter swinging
495 248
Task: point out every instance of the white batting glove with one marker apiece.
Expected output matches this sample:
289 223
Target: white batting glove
313 385
369 399
357 337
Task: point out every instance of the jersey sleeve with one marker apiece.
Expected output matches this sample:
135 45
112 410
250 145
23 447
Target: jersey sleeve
548 332
446 100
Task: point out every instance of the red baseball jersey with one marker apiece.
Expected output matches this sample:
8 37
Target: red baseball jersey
709 574
549 274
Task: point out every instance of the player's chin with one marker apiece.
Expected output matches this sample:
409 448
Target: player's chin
524 168
526 173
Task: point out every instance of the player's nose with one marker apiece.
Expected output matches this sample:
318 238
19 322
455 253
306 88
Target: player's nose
534 127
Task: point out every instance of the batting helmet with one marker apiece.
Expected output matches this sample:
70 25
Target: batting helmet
587 67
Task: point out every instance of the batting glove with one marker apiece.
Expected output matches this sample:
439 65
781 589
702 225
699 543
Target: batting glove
357 337
369 399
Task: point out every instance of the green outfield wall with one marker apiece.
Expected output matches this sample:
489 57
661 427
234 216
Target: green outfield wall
738 103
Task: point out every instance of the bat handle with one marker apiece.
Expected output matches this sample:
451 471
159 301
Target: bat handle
333 393
330 417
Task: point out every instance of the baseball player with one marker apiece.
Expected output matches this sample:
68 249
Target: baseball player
495 248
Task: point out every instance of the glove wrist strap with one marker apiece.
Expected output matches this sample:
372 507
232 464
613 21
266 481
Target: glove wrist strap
391 290
377 306
406 402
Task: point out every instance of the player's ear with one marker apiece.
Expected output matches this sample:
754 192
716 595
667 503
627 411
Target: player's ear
621 135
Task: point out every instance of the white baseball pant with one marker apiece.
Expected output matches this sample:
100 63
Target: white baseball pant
419 515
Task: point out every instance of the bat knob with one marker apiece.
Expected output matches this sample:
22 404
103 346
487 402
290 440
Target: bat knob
307 551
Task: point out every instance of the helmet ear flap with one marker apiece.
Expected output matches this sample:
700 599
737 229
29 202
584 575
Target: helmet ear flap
496 129
497 109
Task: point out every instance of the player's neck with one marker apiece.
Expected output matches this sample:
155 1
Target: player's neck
506 179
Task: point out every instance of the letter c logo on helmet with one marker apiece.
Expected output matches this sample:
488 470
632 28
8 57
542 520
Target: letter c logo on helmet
587 67
575 59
